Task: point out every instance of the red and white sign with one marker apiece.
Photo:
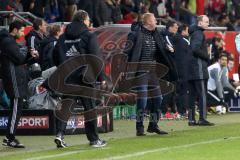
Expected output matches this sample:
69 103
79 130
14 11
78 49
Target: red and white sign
33 122
78 122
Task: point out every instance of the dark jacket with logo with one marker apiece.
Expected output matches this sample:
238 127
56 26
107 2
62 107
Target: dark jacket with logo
198 60
76 40
13 71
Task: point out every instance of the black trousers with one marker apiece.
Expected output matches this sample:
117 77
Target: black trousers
13 119
90 120
169 101
182 96
197 91
214 100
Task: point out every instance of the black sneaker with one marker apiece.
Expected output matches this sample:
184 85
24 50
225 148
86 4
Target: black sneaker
98 143
60 142
205 123
192 123
156 130
5 141
139 133
15 144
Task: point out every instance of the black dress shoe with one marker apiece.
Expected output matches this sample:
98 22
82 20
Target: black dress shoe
205 123
192 123
156 130
140 134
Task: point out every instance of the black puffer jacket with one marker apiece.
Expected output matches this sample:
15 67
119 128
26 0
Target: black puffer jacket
13 70
198 60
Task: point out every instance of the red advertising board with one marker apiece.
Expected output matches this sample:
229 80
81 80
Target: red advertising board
34 122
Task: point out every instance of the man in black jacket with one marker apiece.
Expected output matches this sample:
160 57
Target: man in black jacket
35 36
13 59
77 40
47 46
170 38
198 73
147 47
182 54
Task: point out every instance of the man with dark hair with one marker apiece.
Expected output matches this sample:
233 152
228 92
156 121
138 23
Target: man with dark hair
77 40
170 38
217 48
198 73
219 88
14 75
182 54
35 36
33 42
147 47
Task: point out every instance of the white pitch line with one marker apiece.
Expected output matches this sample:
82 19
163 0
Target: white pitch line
168 149
63 154
55 155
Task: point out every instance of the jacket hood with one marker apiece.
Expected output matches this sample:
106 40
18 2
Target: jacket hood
75 29
195 28
4 33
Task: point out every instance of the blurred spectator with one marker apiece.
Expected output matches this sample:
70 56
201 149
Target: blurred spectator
236 6
237 43
215 7
62 5
129 18
154 7
177 5
18 7
127 6
37 7
113 11
71 8
96 10
224 21
6 5
138 4
162 11
216 49
28 5
200 7
234 80
169 7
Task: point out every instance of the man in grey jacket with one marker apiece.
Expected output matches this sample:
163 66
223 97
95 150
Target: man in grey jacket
198 73
219 88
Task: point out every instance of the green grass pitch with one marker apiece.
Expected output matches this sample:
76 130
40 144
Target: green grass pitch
220 142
